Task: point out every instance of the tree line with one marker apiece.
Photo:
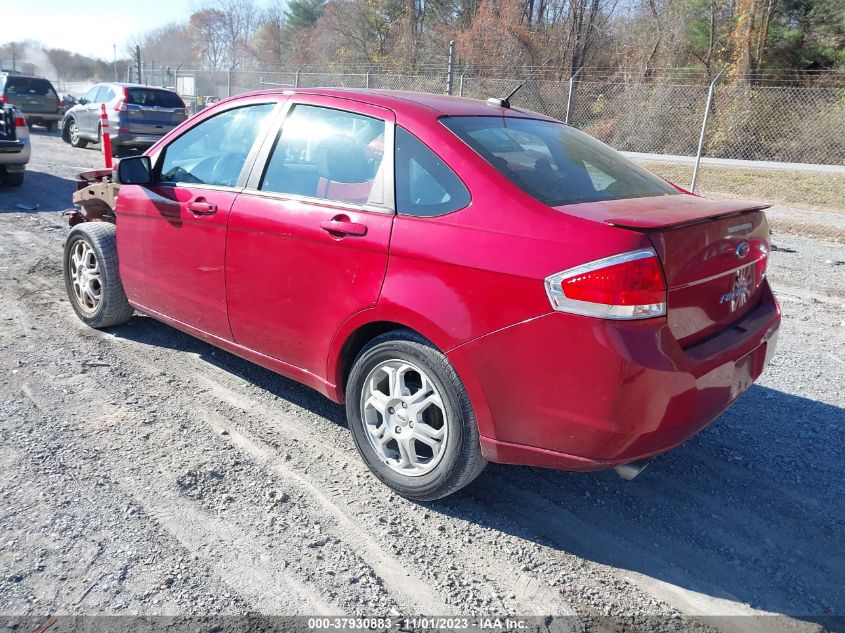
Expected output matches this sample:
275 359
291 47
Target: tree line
746 38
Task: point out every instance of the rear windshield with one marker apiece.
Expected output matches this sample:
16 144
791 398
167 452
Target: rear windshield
29 86
555 163
153 98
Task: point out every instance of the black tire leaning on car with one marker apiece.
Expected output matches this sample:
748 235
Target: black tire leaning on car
461 461
113 308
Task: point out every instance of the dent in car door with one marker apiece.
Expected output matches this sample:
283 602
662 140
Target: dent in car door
308 239
172 236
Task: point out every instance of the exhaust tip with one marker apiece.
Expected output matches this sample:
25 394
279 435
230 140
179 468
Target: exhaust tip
631 469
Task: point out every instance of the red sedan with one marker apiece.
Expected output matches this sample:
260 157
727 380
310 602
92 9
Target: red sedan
477 282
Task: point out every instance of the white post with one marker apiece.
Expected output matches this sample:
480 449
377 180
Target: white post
569 97
703 130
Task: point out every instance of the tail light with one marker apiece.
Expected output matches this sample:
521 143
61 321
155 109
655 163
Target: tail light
20 121
626 286
4 99
58 103
120 106
760 266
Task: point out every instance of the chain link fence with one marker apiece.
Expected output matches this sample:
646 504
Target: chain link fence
788 123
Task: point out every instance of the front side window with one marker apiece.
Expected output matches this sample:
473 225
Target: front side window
214 152
425 185
554 163
328 154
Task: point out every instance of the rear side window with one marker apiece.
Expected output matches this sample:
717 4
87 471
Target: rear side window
554 163
153 98
33 86
214 151
329 154
425 185
104 95
91 95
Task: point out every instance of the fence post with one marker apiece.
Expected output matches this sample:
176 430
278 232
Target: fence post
569 96
461 86
703 130
450 68
296 76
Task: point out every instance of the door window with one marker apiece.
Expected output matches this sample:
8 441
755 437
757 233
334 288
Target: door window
214 151
425 185
328 154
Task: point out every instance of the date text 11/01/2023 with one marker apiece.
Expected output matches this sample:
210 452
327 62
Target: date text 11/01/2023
426 623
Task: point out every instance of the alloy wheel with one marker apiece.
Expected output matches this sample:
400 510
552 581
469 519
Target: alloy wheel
404 417
85 277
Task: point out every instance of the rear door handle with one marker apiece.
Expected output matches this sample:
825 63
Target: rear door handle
201 207
344 227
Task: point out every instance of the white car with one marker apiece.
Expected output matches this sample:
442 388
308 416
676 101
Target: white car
14 146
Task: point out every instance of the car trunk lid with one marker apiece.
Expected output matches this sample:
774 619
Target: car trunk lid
151 111
713 254
146 120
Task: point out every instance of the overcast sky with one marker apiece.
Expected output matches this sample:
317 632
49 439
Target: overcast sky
78 25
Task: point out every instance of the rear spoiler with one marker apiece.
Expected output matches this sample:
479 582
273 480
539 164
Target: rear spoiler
663 212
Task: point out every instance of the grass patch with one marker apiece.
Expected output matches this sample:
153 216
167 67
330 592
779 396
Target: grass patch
821 192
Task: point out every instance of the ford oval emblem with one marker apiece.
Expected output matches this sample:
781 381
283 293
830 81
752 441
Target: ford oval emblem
742 249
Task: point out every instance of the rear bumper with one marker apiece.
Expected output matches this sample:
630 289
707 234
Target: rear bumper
14 154
135 140
577 393
41 117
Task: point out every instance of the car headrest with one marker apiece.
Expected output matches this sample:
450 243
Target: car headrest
342 159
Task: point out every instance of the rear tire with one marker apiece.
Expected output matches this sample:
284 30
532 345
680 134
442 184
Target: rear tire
73 137
91 275
49 126
391 376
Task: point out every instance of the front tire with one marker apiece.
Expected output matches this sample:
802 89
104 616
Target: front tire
91 275
411 418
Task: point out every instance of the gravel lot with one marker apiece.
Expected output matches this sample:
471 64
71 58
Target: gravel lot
145 472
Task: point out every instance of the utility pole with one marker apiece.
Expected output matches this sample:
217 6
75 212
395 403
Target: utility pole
114 49
138 63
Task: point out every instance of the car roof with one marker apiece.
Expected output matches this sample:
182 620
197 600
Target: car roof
123 84
422 102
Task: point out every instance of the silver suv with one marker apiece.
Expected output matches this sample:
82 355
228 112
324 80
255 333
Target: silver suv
138 115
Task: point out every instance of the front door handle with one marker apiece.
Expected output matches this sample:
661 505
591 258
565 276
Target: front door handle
343 227
201 207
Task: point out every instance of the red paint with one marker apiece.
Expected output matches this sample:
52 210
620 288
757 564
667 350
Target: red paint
288 282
